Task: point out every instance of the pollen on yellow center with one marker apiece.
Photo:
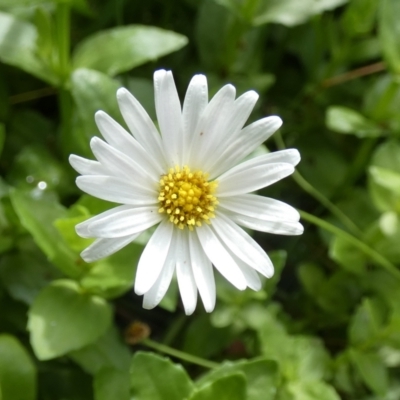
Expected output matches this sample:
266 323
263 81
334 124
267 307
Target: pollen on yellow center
187 197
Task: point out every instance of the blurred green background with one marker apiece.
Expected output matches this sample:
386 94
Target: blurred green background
327 326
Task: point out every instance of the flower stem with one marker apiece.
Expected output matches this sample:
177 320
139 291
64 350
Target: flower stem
378 258
162 348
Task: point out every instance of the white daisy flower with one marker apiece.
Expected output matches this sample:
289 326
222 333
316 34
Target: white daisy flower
190 181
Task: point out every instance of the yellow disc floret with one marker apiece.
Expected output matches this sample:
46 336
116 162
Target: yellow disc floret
187 197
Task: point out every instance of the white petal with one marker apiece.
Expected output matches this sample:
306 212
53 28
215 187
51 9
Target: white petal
210 124
141 126
184 273
104 247
259 207
253 281
117 190
153 257
278 227
203 273
153 296
86 167
125 222
169 115
242 245
233 123
221 259
120 165
245 180
195 102
120 139
247 141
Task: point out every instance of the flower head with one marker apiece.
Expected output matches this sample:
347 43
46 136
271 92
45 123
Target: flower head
190 181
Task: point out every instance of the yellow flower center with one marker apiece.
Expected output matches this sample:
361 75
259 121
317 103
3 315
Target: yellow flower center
187 197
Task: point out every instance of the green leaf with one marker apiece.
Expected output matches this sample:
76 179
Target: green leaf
107 352
64 318
261 375
312 390
230 387
111 384
17 371
359 17
371 369
18 48
312 277
157 378
350 258
386 178
37 213
292 12
367 322
389 31
345 120
124 48
79 5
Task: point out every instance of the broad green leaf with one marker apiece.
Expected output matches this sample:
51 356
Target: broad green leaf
312 390
18 48
157 378
124 48
106 352
261 375
345 120
312 277
111 384
367 322
389 31
292 12
371 369
17 371
65 318
230 387
79 5
389 223
37 213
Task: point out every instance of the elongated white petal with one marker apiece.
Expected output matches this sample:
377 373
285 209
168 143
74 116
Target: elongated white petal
117 190
242 245
85 166
253 281
82 229
119 164
260 207
125 222
169 116
246 141
123 141
153 257
211 122
278 227
195 102
155 294
104 247
203 273
233 123
141 126
248 180
221 259
184 273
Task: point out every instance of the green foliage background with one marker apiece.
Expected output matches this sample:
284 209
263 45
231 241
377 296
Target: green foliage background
327 326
